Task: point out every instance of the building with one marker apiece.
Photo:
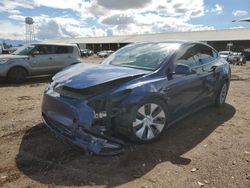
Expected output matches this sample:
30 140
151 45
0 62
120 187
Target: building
227 39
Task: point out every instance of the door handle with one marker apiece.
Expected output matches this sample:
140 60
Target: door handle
50 58
69 56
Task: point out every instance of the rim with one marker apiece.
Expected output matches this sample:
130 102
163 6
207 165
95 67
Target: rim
150 121
17 75
223 93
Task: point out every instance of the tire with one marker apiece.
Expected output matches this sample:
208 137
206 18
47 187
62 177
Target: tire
222 94
149 121
17 75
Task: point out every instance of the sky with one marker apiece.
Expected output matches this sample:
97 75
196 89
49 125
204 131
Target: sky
88 18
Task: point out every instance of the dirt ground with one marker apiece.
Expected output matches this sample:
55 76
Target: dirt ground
208 149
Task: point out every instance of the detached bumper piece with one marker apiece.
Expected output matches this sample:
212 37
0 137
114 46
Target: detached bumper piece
92 142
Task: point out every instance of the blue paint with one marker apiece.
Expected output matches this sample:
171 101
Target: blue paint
73 119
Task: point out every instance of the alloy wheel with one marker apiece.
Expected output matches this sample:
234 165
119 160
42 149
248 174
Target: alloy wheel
223 93
150 121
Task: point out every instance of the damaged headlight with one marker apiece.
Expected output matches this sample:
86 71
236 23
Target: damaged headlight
100 119
104 106
100 115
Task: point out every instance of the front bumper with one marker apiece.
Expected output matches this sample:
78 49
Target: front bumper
71 121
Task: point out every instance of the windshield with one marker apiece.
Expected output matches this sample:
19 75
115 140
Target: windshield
24 50
146 56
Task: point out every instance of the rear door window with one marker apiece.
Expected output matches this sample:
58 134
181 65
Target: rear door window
44 49
63 49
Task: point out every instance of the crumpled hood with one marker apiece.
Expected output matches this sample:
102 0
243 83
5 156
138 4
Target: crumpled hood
12 56
85 75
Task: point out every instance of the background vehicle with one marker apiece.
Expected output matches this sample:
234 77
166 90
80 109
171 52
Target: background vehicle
138 92
237 58
104 53
225 54
86 52
37 59
246 53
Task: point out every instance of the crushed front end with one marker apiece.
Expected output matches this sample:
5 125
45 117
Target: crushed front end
71 116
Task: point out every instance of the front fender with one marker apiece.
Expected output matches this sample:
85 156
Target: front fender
147 90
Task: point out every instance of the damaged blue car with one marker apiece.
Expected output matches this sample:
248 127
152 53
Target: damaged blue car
136 93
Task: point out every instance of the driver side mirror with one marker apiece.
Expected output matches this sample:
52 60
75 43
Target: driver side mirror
183 69
35 53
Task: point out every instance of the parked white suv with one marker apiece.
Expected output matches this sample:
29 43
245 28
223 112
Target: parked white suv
225 54
38 59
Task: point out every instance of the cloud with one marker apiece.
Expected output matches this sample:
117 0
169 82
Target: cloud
97 10
160 16
147 24
17 17
63 27
109 17
11 31
217 9
240 13
118 19
75 5
46 28
13 6
123 5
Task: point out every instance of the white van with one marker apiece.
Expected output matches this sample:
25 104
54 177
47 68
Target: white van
38 59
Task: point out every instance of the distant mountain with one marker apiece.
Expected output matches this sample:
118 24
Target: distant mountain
12 42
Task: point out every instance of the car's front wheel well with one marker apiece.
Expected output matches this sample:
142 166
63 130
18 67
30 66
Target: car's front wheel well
19 67
123 123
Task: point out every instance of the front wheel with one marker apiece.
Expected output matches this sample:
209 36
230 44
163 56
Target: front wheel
17 75
149 122
222 94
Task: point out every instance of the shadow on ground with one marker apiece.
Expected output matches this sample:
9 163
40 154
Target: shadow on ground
29 81
45 159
